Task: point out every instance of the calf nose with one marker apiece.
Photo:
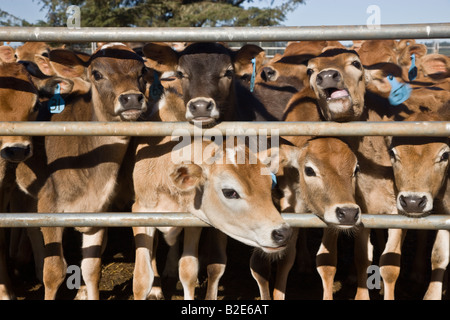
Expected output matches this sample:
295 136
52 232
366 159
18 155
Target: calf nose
201 107
268 74
16 153
132 100
328 78
413 203
282 235
347 215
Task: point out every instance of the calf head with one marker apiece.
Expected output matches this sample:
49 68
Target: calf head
420 167
339 82
235 197
321 178
117 75
20 89
206 72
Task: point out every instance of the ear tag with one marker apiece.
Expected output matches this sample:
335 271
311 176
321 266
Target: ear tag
400 92
274 180
156 89
56 103
412 73
252 80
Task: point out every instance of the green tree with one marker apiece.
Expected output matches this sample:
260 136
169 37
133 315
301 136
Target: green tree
169 13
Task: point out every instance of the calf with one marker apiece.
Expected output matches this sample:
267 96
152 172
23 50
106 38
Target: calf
337 93
19 96
318 177
278 80
203 91
79 174
207 78
215 188
420 166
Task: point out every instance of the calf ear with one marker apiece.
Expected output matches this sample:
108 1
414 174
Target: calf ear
47 86
44 65
67 63
243 59
7 54
435 65
277 158
160 57
186 176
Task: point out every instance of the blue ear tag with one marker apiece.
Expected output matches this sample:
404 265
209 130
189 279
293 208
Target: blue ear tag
412 73
252 80
56 103
274 180
400 92
156 89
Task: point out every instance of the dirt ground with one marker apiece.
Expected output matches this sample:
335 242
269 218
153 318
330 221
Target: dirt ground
237 282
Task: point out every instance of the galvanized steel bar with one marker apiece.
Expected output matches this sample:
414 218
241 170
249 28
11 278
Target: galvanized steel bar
324 128
128 219
238 34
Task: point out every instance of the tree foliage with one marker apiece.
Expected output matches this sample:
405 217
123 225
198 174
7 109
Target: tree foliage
169 13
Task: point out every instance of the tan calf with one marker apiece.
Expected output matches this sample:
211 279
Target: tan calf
338 86
79 174
216 188
318 177
420 166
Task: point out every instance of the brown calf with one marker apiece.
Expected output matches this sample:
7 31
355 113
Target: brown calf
338 86
420 166
79 174
318 177
279 79
19 95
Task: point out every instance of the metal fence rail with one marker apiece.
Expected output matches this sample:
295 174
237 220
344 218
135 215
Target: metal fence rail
227 34
324 128
179 219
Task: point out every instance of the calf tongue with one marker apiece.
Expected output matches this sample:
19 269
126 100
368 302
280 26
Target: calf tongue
339 94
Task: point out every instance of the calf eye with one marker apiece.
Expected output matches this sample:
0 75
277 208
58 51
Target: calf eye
228 73
357 170
179 74
392 155
309 71
356 64
97 75
230 194
310 172
444 157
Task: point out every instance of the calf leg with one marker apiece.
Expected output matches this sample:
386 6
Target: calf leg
390 261
284 265
143 272
54 271
91 263
5 286
326 260
439 262
188 264
216 267
260 270
363 259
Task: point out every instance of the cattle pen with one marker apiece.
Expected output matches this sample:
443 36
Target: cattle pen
225 34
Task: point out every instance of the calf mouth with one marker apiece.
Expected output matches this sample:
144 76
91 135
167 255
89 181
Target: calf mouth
333 94
204 122
278 249
131 114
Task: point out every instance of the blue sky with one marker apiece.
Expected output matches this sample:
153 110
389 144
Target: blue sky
313 13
